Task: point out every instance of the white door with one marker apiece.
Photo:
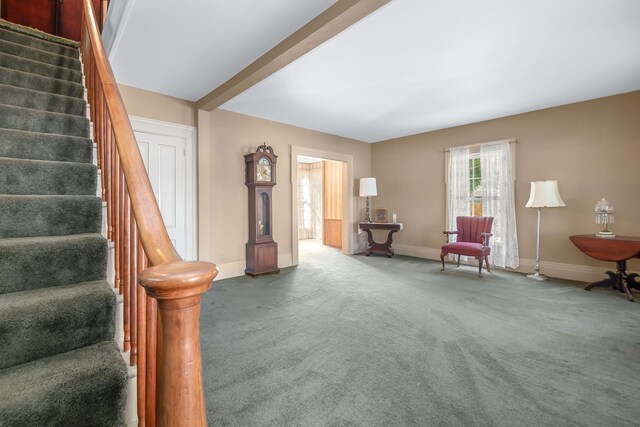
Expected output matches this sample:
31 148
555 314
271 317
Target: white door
164 158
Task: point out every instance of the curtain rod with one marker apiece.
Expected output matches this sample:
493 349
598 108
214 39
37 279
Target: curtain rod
510 141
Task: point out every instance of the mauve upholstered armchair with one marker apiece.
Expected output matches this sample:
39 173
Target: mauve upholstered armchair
473 233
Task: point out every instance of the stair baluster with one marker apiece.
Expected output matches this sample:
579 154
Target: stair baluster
133 303
126 264
167 352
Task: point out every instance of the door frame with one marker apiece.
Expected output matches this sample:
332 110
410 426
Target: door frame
348 220
157 127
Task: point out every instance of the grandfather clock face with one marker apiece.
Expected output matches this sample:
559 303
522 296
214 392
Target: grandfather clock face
263 170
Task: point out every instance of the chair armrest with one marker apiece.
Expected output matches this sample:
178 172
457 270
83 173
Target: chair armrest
485 238
447 233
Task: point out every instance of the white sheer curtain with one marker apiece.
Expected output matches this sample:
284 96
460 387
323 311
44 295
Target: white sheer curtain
498 202
459 202
310 200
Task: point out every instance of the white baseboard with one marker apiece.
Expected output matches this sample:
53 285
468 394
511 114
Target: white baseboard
230 269
236 268
417 251
285 260
581 273
131 406
577 272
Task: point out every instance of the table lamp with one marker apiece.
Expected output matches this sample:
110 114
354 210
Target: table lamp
368 189
604 215
544 194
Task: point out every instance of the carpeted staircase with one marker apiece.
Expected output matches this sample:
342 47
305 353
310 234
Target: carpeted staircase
59 363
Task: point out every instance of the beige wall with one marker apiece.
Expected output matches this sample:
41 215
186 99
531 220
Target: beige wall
592 148
223 140
151 105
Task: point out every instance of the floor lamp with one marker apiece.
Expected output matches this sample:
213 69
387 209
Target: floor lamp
544 194
367 189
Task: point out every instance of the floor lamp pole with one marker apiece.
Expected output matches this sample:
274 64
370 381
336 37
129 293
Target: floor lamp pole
537 275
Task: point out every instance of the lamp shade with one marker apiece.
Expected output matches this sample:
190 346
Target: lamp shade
368 187
545 194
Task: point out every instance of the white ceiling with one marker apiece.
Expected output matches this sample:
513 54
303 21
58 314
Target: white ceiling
189 47
410 67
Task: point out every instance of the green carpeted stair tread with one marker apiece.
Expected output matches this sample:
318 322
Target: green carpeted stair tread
39 68
59 364
43 121
22 29
38 43
43 101
19 144
21 176
84 387
39 55
44 322
26 80
37 215
38 262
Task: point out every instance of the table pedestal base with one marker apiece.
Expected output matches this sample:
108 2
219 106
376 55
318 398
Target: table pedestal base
380 248
617 280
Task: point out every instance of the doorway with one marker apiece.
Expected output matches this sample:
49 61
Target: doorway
320 202
322 205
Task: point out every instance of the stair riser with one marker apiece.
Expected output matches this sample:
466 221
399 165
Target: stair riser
33 216
46 178
37 146
48 46
43 101
39 55
84 387
47 322
59 364
44 84
39 68
41 262
43 121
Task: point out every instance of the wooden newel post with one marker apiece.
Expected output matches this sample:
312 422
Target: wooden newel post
178 286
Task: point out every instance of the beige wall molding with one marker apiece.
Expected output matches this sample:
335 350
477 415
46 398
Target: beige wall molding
236 269
349 221
581 273
337 18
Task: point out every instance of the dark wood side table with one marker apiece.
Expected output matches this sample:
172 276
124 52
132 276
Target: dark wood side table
616 249
380 248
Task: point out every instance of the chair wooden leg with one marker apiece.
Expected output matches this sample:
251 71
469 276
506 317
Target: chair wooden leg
442 259
479 266
458 260
486 261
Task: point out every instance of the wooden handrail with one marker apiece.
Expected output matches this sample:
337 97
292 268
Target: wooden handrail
153 233
161 324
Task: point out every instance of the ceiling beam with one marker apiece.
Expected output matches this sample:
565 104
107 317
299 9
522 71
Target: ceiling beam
337 18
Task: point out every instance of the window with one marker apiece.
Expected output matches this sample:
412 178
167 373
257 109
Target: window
480 183
475 185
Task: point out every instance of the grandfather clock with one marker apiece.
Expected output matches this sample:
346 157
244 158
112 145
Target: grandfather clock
262 251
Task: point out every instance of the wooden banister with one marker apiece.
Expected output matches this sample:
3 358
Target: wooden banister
161 323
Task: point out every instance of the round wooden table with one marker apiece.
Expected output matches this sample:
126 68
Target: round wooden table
615 249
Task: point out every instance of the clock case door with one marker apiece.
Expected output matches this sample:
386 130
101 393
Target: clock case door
261 250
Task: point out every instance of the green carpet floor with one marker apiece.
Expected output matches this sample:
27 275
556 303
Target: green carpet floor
370 341
59 363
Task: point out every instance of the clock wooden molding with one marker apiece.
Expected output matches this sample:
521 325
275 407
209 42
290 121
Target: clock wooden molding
260 177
